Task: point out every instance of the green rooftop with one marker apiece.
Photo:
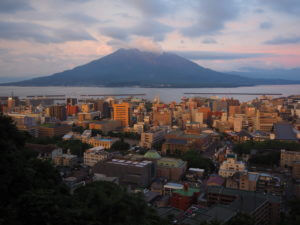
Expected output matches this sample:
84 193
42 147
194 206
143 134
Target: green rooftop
170 162
152 154
190 192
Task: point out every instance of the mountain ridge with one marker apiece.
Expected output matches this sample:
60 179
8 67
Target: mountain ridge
132 67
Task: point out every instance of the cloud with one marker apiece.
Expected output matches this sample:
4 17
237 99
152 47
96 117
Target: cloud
209 41
279 40
259 11
206 55
265 25
12 6
80 18
152 8
146 28
212 16
39 33
285 6
141 43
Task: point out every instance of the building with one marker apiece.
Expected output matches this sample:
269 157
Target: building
267 183
105 125
263 208
184 198
248 181
171 168
88 115
287 158
162 117
95 155
45 151
296 170
25 123
129 172
284 132
57 111
148 139
51 130
265 121
122 112
72 110
106 143
67 160
71 101
231 166
175 146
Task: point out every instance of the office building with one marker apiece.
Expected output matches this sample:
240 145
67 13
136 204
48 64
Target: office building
129 172
122 112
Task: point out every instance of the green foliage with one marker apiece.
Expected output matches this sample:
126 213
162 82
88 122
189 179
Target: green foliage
77 129
195 160
241 218
96 132
45 140
266 158
76 146
120 146
245 148
293 218
213 222
129 135
32 192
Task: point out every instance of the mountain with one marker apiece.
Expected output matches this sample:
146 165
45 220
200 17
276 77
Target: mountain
132 67
287 74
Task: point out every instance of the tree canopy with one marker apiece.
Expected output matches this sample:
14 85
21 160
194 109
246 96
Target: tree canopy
32 192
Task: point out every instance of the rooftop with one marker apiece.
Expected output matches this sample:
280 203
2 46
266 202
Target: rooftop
189 192
284 131
152 154
170 162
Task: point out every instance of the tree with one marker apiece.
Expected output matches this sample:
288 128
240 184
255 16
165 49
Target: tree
241 218
32 192
120 146
195 160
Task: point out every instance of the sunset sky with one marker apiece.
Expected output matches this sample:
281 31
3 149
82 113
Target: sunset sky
40 37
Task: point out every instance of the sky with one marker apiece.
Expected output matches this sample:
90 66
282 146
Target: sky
41 37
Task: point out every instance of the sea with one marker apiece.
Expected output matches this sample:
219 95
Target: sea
165 94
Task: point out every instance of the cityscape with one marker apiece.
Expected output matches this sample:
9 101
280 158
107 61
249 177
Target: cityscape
194 161
149 112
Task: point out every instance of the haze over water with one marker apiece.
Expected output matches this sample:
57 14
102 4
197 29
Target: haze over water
165 94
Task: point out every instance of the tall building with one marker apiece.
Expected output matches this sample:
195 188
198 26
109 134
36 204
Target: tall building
264 121
71 101
121 112
148 139
57 111
162 117
287 158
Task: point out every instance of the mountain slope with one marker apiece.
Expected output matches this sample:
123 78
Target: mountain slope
133 67
288 74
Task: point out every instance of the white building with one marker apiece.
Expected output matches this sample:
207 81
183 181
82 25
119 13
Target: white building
231 165
94 155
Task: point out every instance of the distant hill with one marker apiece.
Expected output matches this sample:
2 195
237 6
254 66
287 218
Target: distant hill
132 67
286 74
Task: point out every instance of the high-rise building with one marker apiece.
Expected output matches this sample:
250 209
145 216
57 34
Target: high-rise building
264 121
71 101
122 112
57 111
